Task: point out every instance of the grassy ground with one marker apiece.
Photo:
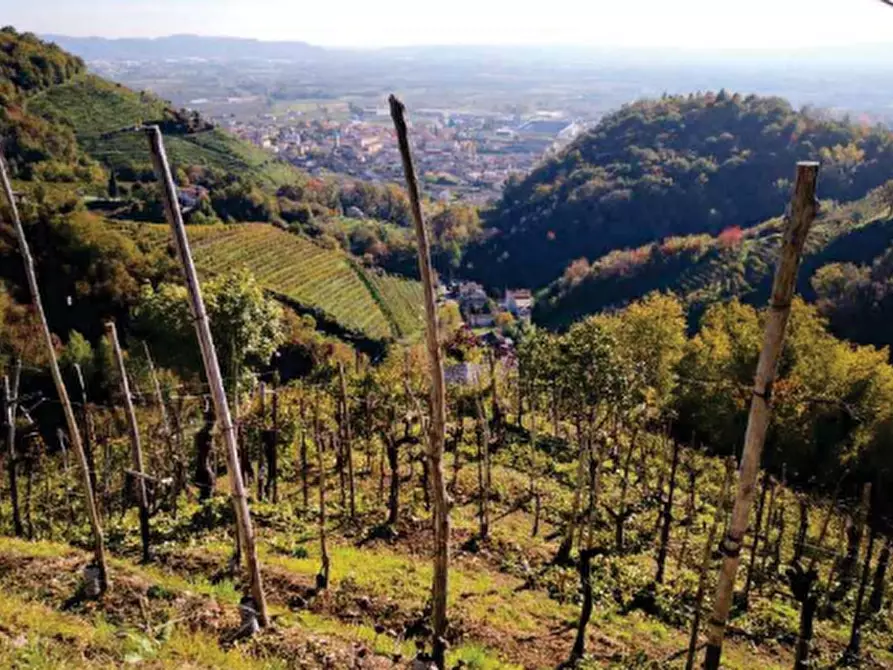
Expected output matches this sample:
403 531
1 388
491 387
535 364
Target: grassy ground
509 608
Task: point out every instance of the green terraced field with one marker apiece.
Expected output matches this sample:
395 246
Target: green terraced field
93 106
296 268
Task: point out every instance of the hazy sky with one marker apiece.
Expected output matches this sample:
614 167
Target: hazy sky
689 23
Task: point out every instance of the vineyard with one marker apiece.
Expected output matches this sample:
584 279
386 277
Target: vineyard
322 280
94 107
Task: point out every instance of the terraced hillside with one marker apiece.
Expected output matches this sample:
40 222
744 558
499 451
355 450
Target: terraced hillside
297 269
702 269
94 107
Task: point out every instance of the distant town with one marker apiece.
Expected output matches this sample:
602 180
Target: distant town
459 155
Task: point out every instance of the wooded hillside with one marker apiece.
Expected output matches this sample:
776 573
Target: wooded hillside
676 166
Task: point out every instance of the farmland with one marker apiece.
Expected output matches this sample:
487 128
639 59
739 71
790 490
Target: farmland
94 107
301 271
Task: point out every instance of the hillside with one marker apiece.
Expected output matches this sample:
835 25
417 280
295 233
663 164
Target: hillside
703 269
670 167
92 106
325 281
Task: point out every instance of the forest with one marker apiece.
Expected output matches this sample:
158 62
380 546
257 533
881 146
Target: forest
196 475
675 166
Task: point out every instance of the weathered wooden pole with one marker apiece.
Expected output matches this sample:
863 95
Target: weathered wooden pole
10 404
212 367
437 424
803 212
718 515
136 449
73 431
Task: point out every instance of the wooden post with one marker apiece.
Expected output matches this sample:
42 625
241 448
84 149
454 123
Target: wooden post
135 446
73 431
212 368
437 424
803 212
718 515
10 404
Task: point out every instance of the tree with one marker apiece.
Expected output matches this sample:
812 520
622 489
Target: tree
595 386
246 325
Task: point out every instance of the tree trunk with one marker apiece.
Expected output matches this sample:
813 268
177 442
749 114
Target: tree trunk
718 515
854 649
483 440
668 518
71 423
205 477
89 428
801 530
394 490
172 454
563 555
438 399
621 516
854 533
245 528
803 212
585 569
322 579
305 489
135 445
10 402
347 446
876 601
756 540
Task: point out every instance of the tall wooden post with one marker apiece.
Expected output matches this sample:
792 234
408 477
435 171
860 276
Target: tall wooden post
73 431
803 212
437 425
136 448
212 367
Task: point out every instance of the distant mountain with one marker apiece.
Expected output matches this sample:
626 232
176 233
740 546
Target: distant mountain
679 165
183 46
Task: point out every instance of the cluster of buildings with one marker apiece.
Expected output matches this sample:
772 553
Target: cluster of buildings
467 155
480 311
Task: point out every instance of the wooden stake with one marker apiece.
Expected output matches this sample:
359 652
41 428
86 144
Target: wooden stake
135 446
803 212
436 427
212 367
73 432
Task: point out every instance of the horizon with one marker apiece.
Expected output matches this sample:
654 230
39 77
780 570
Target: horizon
688 25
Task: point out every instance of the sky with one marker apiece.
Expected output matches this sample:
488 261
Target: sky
756 24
